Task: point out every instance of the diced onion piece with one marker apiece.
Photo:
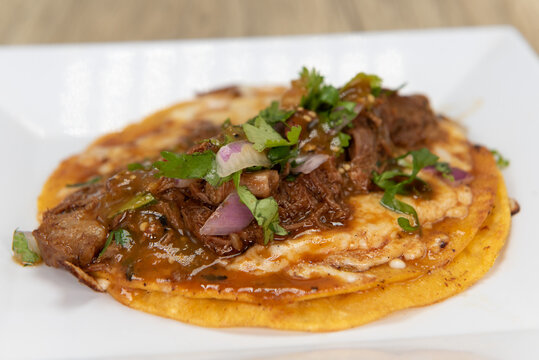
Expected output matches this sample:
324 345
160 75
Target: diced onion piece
230 217
237 156
25 248
459 176
309 163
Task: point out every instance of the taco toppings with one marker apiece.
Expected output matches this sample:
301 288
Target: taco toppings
323 191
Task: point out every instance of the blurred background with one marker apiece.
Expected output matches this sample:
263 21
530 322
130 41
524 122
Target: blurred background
68 21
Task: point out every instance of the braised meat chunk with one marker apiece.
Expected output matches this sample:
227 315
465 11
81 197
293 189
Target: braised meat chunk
408 118
71 232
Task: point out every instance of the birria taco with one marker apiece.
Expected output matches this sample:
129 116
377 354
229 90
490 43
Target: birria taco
311 207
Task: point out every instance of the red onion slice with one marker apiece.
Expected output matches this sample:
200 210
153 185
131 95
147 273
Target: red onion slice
237 156
309 163
230 217
460 176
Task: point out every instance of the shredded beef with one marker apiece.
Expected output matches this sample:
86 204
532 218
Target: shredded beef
404 121
408 118
370 146
312 200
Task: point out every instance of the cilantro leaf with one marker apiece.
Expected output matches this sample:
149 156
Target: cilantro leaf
263 136
500 160
319 96
146 165
86 183
395 182
342 114
444 169
135 166
340 142
281 155
265 211
329 96
137 201
312 81
185 166
190 166
273 115
293 135
22 251
420 159
392 203
122 237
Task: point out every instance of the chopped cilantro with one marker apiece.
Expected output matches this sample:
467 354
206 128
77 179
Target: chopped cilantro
273 115
340 142
281 155
265 211
22 251
329 96
312 80
185 166
291 178
444 169
135 166
343 113
333 113
135 202
390 181
146 165
86 183
263 136
500 160
190 166
122 237
320 97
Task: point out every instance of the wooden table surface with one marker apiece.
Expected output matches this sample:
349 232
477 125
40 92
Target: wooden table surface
60 21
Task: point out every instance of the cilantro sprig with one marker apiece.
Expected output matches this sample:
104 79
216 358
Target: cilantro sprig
137 201
190 166
264 136
395 182
122 237
500 160
185 166
273 115
86 183
444 169
334 113
265 211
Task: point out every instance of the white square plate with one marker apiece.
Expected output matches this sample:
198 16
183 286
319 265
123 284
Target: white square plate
55 99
